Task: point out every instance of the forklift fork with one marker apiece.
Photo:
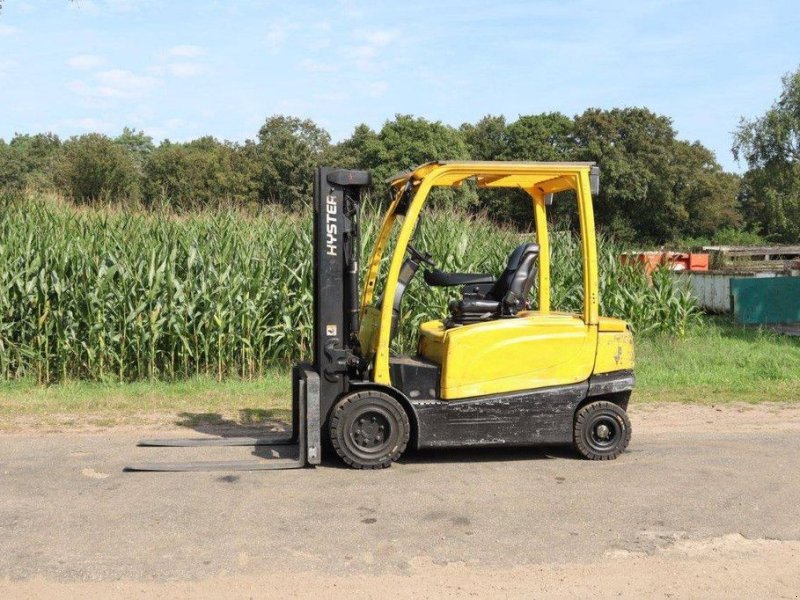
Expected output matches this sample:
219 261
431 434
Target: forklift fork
298 449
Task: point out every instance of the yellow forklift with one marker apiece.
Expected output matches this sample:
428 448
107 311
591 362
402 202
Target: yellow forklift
491 372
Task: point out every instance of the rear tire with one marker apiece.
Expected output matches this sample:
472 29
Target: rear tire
602 431
369 429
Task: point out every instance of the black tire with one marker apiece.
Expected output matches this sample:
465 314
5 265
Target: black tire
602 431
369 430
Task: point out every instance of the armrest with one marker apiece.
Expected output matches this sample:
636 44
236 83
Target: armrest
437 278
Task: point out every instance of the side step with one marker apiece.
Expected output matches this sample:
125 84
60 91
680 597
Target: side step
301 447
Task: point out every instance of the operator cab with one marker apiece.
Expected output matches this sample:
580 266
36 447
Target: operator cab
491 340
484 297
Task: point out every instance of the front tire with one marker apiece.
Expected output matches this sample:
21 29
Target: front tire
369 429
602 431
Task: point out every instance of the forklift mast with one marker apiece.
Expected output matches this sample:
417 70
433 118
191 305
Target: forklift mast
337 198
315 387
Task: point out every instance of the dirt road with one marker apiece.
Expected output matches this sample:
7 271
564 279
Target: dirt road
705 504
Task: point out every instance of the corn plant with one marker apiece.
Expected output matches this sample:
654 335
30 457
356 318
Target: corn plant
106 295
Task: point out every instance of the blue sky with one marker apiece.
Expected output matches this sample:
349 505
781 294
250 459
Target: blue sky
185 68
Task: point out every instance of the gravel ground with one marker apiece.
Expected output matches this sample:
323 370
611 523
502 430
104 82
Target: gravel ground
706 503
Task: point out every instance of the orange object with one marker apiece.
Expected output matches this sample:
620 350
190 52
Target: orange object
698 261
675 261
651 260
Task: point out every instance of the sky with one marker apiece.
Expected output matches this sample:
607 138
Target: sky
180 69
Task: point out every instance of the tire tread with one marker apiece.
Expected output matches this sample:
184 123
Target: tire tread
580 420
336 418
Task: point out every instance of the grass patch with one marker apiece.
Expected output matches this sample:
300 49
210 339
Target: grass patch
189 402
718 361
715 362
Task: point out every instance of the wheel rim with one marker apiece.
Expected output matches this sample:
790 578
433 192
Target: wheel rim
603 432
370 432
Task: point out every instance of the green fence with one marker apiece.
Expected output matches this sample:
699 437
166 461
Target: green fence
763 300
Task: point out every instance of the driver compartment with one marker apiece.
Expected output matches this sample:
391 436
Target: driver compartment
490 342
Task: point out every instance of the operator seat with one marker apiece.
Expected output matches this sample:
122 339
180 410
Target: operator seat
504 297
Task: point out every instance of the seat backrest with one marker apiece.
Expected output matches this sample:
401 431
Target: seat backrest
518 275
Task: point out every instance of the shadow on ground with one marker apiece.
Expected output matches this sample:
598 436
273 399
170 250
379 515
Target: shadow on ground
467 455
259 422
249 422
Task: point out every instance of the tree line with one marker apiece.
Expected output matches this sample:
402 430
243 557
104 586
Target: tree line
655 188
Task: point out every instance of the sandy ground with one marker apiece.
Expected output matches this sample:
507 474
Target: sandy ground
706 504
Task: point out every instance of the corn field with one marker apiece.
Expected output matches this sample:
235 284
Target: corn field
107 295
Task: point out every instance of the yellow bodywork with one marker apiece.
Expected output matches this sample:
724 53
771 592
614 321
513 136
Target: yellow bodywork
368 333
507 355
614 346
531 350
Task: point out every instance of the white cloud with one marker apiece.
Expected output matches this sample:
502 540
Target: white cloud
177 62
377 88
330 97
115 83
276 38
185 69
314 66
380 37
374 42
86 61
7 30
276 35
95 7
363 53
176 129
185 51
26 8
80 87
118 82
6 66
90 124
87 6
123 6
350 8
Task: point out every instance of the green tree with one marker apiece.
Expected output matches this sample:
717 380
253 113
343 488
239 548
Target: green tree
632 148
544 137
770 145
138 145
490 139
26 163
289 149
204 173
708 194
362 150
487 139
410 141
653 188
93 167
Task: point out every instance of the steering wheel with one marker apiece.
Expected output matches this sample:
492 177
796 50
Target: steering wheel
419 256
